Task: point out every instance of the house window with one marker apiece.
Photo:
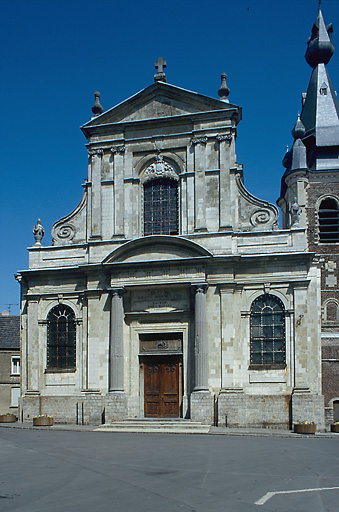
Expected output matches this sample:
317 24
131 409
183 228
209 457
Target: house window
61 338
328 218
15 395
161 207
15 366
267 331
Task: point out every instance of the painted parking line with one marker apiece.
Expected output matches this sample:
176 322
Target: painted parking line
269 495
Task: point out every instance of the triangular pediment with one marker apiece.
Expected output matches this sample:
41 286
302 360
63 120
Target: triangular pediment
159 100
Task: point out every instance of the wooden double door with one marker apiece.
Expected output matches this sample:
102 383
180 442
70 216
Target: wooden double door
162 386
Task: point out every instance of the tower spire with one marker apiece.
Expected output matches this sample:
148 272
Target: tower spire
320 113
319 46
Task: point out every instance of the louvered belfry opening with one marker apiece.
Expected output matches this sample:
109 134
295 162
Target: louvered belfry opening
161 207
328 221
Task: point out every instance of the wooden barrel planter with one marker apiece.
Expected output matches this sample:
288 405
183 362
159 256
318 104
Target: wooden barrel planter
305 428
7 418
43 421
335 428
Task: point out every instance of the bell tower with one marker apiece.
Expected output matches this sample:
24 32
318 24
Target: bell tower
310 195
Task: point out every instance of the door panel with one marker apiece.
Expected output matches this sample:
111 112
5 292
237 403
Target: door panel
152 374
161 387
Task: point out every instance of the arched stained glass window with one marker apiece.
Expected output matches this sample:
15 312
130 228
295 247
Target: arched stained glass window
61 337
328 217
268 331
161 207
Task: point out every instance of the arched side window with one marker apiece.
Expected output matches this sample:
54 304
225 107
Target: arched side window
61 337
331 311
328 218
161 207
268 345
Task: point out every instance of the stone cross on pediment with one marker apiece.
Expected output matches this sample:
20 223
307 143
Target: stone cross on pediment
160 65
160 75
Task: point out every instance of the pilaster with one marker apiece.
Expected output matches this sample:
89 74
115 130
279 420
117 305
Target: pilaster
190 200
96 161
119 200
227 335
32 350
300 335
200 182
200 337
116 347
225 186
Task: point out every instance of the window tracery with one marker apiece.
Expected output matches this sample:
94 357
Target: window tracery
267 326
161 195
61 337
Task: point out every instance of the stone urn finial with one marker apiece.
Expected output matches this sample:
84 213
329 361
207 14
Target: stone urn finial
38 232
97 108
224 90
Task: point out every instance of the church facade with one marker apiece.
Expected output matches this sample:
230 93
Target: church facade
170 291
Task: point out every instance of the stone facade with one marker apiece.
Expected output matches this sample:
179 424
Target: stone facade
145 303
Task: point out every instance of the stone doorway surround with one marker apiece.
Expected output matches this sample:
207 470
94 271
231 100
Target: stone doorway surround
165 339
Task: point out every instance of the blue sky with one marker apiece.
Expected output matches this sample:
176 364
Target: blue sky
56 53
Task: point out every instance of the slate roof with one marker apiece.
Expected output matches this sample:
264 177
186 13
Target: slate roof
10 332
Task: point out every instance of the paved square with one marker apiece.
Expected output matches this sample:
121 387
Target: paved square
63 471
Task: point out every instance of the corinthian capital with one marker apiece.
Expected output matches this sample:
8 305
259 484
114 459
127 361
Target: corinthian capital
227 138
200 287
199 140
118 149
98 152
116 292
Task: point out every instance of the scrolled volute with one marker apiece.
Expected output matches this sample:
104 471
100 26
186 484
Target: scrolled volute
63 232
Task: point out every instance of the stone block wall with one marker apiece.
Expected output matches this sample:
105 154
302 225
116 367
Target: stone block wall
116 408
82 410
202 407
261 411
308 407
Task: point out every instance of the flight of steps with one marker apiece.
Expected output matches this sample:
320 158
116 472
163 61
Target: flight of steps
155 425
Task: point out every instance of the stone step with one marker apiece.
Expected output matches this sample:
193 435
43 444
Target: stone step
175 426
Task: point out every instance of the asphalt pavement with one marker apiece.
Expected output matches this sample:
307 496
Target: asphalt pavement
74 468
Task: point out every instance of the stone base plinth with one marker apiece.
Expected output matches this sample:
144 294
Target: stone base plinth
308 407
116 407
237 409
29 406
202 407
84 409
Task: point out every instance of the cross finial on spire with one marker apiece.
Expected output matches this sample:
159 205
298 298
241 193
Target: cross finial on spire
160 75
